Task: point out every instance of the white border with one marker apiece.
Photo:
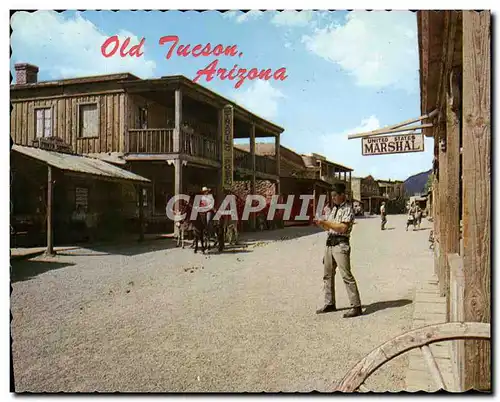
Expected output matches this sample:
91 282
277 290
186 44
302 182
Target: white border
184 4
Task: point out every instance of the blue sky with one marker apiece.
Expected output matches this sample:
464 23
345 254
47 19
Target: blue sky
347 72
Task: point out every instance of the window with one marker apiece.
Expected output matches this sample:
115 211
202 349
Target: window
43 122
143 118
88 120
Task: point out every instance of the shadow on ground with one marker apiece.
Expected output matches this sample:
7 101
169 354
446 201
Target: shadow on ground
287 233
378 306
28 269
127 249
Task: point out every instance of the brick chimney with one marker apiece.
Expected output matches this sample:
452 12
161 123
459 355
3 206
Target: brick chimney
26 73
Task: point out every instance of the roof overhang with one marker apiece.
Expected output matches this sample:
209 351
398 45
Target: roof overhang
203 94
81 165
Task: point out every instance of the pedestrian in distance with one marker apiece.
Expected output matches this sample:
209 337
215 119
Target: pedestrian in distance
337 253
383 216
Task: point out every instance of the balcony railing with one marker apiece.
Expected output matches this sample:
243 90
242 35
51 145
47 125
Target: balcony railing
199 146
150 141
161 141
263 164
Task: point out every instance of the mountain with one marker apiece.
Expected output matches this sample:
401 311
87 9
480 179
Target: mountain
416 183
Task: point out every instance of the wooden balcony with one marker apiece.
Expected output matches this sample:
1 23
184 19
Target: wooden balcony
150 141
160 141
200 146
263 164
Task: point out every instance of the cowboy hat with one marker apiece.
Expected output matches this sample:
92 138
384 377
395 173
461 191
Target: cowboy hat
204 189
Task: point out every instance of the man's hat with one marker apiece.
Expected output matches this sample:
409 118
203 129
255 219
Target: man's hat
204 189
339 188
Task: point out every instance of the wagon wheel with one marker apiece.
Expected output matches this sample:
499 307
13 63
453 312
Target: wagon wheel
419 338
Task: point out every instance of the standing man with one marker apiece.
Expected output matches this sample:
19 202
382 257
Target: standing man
207 201
383 216
338 253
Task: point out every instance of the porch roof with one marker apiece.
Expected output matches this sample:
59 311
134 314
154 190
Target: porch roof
203 94
79 164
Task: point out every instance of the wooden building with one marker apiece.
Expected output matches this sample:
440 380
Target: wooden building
170 130
296 177
455 80
371 197
394 192
327 173
61 198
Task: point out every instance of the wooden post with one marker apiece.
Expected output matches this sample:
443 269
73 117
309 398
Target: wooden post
476 155
50 228
141 212
277 147
178 121
178 182
436 218
314 200
220 141
453 175
252 183
370 205
443 206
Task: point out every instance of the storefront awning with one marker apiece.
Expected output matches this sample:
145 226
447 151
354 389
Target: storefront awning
79 164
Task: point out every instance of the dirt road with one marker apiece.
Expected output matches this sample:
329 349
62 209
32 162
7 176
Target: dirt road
156 318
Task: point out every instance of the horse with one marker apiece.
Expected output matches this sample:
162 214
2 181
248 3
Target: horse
182 225
198 226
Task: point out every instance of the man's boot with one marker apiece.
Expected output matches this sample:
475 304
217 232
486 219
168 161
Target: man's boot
354 312
327 308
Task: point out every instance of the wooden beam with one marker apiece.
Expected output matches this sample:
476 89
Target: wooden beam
64 96
476 123
141 212
443 214
277 148
178 185
450 23
178 120
49 213
452 168
395 126
410 129
253 222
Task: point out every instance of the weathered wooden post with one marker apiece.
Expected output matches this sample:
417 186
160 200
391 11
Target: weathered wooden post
253 181
178 120
49 213
443 204
277 148
476 123
452 211
141 212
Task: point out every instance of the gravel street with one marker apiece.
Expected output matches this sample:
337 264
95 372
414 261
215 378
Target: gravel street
155 318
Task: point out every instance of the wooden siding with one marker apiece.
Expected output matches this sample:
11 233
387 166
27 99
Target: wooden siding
65 122
159 116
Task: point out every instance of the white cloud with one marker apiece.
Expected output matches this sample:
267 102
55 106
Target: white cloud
70 47
240 16
261 98
338 148
292 18
379 49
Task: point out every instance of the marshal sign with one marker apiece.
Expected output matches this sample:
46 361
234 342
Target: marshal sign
392 144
